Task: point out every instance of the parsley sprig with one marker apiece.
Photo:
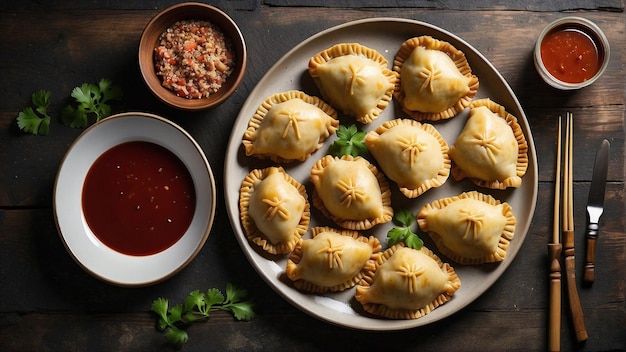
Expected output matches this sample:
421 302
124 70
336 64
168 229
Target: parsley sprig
92 99
196 308
36 121
402 233
349 142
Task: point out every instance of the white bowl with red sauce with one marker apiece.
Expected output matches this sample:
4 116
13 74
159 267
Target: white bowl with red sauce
571 53
134 199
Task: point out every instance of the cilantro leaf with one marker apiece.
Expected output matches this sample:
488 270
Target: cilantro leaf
197 307
86 95
396 235
233 294
109 91
402 233
195 300
177 336
176 313
93 100
413 241
41 99
159 306
242 310
404 217
350 142
214 296
36 121
74 118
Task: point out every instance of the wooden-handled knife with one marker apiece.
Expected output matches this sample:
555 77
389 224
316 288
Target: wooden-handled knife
595 207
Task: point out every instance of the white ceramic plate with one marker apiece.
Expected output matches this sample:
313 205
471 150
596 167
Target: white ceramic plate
98 259
290 72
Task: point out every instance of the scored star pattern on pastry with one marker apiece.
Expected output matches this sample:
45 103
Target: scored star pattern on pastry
488 143
474 223
356 78
412 147
429 75
350 192
276 206
293 120
333 253
411 273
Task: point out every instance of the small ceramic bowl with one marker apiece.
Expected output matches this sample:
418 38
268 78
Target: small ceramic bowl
82 243
190 11
573 72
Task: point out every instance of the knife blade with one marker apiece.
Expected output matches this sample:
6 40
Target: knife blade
595 207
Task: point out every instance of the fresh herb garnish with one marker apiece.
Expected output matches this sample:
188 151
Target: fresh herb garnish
92 99
349 142
196 308
404 219
29 121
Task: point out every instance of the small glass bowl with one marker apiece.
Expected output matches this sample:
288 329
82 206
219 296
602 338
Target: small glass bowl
587 27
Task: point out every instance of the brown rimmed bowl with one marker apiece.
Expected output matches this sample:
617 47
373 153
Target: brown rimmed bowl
190 11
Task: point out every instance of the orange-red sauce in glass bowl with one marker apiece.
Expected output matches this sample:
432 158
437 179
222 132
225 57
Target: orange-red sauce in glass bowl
138 198
570 55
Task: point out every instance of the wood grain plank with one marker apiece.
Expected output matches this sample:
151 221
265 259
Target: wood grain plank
75 58
52 304
517 5
226 5
56 284
485 331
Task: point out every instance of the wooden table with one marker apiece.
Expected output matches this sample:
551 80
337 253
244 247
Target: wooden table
48 303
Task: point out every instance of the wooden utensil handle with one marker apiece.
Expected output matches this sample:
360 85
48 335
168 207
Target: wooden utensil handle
572 292
554 327
592 236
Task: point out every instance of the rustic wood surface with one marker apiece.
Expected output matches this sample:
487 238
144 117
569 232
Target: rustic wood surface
48 303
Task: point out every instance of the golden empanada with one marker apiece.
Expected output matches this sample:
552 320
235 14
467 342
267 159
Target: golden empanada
407 283
332 260
412 154
472 228
289 126
351 191
435 80
274 209
491 149
354 79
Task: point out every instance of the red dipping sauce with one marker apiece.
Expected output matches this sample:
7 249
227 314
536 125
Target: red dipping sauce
570 55
138 198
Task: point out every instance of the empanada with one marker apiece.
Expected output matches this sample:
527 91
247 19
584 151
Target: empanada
472 228
491 149
354 79
289 126
351 191
412 154
407 283
332 260
274 209
435 80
